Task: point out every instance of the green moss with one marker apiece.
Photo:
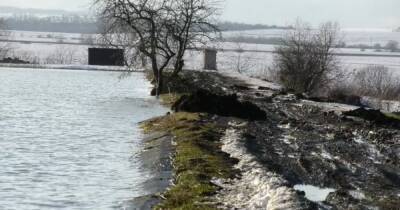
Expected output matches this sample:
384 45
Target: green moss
393 116
169 99
198 159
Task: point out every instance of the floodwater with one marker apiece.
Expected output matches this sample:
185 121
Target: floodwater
314 193
70 139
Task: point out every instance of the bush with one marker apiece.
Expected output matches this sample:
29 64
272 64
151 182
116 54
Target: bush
306 62
374 81
377 81
392 46
378 47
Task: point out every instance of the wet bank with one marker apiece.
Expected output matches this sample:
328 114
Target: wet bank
155 158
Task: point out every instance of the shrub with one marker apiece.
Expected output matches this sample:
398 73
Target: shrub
392 45
377 81
306 62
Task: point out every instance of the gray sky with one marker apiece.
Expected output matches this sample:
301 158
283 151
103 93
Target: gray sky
349 13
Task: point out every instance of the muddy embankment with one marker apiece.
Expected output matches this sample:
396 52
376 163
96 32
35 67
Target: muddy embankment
156 158
300 155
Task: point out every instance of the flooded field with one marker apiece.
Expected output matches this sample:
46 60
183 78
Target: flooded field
70 139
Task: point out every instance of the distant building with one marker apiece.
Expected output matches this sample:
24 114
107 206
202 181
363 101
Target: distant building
106 57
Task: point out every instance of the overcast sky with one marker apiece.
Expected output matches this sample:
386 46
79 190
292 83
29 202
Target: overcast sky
349 13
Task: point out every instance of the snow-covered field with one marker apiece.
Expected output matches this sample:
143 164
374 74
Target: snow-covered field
30 36
349 36
256 62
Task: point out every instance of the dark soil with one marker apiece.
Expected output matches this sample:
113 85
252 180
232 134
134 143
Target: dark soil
308 145
223 105
375 116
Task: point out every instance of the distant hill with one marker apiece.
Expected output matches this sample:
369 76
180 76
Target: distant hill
61 24
46 20
234 26
9 11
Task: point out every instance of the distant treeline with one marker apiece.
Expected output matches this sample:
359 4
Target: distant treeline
85 24
254 40
61 24
233 26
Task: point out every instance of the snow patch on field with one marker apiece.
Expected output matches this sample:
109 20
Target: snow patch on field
257 188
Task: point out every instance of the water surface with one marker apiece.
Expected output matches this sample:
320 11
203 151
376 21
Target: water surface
70 139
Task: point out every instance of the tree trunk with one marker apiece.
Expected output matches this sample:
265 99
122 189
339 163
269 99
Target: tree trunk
178 66
157 76
160 83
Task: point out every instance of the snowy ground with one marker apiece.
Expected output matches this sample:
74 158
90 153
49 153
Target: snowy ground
257 188
349 35
251 63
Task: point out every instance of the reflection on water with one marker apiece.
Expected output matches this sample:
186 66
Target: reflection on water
68 139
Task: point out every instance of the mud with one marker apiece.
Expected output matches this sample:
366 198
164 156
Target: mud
308 144
222 105
156 158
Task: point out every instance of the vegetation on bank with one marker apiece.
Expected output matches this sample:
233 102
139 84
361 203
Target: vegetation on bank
198 159
394 116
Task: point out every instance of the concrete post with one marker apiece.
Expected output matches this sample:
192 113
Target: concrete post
210 59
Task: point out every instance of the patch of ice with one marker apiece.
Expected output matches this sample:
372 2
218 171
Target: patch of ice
357 195
359 140
336 107
254 82
375 154
257 188
330 136
288 139
284 126
314 193
326 155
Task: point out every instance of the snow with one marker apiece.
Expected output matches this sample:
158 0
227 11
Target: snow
254 83
257 188
374 154
350 36
314 193
335 107
68 67
255 63
384 105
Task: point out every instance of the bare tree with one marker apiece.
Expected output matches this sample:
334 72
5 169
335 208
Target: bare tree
160 30
306 62
241 61
142 23
191 25
377 47
62 55
377 81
